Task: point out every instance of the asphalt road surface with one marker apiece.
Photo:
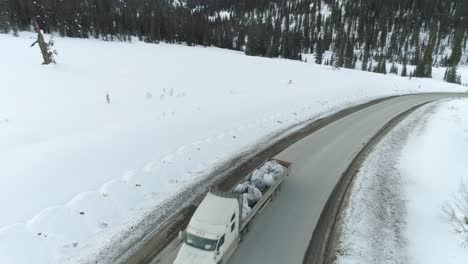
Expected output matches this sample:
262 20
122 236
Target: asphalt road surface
282 233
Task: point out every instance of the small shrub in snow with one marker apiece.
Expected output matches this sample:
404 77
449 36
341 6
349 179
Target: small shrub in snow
455 212
149 96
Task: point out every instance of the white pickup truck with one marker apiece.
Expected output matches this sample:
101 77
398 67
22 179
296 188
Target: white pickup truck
222 218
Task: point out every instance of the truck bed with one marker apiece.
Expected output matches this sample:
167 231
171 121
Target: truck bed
267 195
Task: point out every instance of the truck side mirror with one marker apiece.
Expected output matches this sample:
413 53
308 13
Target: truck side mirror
181 235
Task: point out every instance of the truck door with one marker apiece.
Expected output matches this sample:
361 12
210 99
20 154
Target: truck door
220 250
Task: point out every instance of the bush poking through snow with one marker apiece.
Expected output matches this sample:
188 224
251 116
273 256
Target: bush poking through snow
455 212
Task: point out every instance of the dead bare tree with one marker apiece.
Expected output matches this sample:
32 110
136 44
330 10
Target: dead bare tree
47 52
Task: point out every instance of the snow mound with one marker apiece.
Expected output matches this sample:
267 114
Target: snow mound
54 225
14 240
123 194
96 210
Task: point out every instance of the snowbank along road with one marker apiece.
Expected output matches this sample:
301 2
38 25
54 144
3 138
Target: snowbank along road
283 232
395 208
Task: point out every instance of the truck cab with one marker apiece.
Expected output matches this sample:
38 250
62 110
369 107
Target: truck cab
213 232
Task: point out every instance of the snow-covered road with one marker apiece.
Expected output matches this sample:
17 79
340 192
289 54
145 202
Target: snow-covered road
397 208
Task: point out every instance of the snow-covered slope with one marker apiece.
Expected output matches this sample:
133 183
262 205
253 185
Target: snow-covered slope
75 168
400 210
432 189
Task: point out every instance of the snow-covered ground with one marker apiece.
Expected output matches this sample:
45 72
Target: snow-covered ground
76 170
397 209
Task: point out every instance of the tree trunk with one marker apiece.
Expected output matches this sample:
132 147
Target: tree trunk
42 44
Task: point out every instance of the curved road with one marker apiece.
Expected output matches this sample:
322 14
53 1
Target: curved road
283 231
281 234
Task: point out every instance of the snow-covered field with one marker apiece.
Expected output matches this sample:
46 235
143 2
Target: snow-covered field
76 170
396 212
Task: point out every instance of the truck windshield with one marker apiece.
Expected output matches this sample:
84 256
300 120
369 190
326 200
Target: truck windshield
200 242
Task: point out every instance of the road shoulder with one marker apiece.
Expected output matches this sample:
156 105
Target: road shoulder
325 244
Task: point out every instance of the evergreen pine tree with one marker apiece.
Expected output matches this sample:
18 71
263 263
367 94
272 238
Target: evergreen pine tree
417 55
455 56
394 69
355 59
378 68
348 55
256 43
286 28
461 23
339 49
4 17
428 51
404 71
365 59
285 42
452 76
428 62
370 66
424 65
381 66
420 70
340 55
319 50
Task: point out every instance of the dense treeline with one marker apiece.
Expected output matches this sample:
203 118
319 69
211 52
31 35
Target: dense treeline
403 31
